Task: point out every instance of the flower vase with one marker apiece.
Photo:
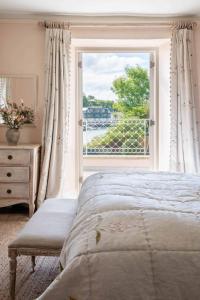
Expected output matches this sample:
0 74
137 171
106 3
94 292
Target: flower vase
12 136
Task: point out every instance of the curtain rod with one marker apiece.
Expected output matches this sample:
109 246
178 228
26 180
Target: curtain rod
100 22
190 24
68 25
121 25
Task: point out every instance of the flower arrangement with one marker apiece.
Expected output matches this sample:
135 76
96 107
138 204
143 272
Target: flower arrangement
16 115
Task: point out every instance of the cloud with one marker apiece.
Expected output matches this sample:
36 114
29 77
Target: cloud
101 69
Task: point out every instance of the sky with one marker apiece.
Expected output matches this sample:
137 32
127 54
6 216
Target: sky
100 69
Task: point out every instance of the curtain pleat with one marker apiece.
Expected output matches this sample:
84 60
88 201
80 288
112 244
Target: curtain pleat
184 149
54 144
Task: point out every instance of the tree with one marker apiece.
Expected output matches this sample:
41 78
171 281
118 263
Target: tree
91 101
87 100
104 103
132 91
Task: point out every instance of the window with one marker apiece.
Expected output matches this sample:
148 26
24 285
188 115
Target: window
159 121
116 103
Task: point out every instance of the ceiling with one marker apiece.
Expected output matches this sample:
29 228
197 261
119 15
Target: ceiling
112 7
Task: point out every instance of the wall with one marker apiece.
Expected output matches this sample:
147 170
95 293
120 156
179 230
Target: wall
21 53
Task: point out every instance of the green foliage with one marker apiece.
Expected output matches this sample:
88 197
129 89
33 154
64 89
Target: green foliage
85 101
90 101
140 112
132 91
102 103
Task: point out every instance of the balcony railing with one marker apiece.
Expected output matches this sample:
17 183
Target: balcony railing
116 137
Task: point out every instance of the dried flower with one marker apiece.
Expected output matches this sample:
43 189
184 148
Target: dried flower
15 116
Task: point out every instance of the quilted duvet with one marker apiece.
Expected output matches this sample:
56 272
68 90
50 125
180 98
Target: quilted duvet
136 236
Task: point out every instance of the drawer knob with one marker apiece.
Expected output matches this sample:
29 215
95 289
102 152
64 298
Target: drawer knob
9 191
10 157
9 174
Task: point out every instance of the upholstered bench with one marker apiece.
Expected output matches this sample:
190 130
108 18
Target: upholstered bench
43 234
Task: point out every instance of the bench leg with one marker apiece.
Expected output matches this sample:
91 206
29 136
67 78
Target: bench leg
33 263
31 210
13 267
60 267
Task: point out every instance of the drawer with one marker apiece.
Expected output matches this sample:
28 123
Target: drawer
14 174
14 190
14 157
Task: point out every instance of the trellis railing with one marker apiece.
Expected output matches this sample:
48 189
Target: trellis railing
116 137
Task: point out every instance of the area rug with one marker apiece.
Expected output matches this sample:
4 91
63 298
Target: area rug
29 285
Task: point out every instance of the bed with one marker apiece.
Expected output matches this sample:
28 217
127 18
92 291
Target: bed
136 236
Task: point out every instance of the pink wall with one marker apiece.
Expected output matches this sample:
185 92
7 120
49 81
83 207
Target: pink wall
21 53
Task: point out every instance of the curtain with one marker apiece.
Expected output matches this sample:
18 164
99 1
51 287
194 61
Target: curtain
4 93
184 140
54 145
4 90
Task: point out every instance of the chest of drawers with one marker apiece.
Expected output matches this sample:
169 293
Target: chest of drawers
19 173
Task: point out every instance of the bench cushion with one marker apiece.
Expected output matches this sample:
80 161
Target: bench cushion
48 227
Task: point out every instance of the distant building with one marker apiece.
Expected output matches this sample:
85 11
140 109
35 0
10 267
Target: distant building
97 113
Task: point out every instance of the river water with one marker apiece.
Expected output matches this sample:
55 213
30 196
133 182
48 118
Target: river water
91 133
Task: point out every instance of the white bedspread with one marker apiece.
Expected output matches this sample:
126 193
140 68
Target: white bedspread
136 236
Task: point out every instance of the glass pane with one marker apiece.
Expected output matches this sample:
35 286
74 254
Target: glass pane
116 103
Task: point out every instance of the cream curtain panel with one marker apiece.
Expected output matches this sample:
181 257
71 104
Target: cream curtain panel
54 145
4 90
184 149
